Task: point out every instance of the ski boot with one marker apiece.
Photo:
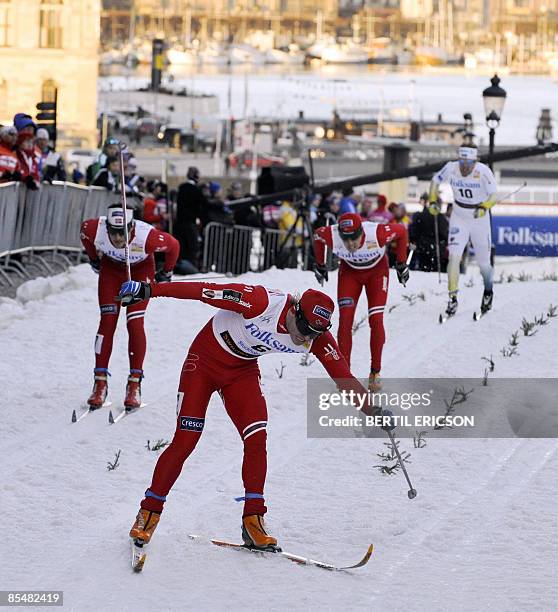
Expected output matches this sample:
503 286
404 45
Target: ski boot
144 526
374 381
452 306
255 535
100 389
486 303
133 390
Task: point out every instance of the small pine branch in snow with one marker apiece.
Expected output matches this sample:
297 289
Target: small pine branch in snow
511 349
359 324
552 311
509 352
157 446
470 282
549 276
306 360
510 278
541 320
514 339
280 372
390 456
490 363
413 298
419 439
523 276
485 377
114 464
528 327
500 279
460 396
392 308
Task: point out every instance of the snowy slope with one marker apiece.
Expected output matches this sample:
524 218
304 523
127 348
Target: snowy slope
480 535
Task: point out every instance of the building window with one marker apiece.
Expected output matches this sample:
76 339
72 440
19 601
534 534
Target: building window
48 91
5 22
50 24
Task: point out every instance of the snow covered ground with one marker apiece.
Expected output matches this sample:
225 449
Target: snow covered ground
481 535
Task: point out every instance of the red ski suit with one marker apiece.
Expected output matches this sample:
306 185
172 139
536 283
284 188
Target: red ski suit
111 276
211 367
374 277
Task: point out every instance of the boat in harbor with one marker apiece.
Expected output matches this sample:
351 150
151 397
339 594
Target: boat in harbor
316 49
178 56
430 56
214 55
245 54
347 53
281 56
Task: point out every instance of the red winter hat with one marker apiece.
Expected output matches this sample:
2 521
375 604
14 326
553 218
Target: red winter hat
315 309
350 226
23 136
382 200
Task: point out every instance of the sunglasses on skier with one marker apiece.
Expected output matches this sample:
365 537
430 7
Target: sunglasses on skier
304 326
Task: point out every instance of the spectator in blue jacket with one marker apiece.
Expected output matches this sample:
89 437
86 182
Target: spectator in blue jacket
348 202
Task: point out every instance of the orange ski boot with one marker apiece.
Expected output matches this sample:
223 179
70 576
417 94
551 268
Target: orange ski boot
255 535
133 390
100 389
145 524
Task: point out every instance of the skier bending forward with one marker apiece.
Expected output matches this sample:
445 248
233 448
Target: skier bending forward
252 321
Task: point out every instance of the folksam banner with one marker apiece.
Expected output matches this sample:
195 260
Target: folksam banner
527 236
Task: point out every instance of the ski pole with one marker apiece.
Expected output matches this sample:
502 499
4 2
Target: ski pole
408 262
412 492
511 193
326 263
124 211
437 238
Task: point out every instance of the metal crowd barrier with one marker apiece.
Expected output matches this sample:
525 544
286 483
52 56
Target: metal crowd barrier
238 249
39 230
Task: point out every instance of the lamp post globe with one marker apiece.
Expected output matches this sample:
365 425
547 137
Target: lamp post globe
494 98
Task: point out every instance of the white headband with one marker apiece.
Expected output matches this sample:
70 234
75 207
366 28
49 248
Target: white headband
115 217
468 153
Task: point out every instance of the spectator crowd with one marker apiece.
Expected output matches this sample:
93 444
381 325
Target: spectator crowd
27 156
200 202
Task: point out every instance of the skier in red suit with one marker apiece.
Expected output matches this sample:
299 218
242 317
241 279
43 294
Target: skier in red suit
364 264
104 241
252 321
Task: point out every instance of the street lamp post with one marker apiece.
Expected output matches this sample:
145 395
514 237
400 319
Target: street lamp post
494 98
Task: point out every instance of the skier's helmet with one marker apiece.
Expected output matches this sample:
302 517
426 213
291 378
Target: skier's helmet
467 158
115 219
350 226
313 313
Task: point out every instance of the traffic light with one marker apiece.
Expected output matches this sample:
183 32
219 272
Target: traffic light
157 62
46 117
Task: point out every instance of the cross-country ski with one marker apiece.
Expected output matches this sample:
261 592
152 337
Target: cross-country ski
292 557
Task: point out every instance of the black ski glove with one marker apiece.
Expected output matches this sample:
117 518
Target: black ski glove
163 277
133 292
95 265
321 274
388 421
402 270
